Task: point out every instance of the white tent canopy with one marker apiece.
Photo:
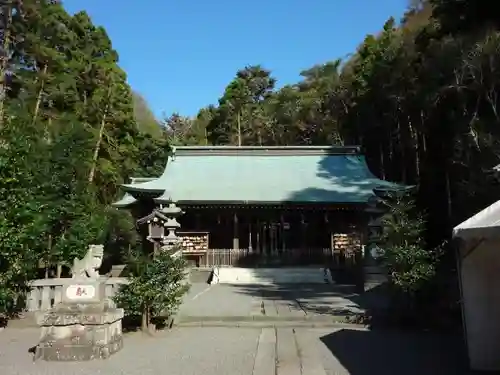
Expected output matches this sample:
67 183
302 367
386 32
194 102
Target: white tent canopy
479 272
484 224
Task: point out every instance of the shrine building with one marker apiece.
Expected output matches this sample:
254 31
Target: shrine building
290 205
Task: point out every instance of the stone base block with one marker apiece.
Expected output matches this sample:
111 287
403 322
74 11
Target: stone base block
82 327
65 350
88 314
77 340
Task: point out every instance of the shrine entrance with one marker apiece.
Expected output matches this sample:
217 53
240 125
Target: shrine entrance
266 236
271 238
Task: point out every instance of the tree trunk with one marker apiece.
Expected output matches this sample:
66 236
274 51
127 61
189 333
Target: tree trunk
48 127
144 321
4 59
47 260
99 138
449 207
239 129
238 123
40 94
403 133
415 140
381 160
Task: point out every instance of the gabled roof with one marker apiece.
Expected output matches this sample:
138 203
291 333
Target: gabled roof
151 216
298 174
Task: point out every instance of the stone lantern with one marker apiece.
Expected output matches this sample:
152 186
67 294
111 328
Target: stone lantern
171 213
155 221
374 272
374 213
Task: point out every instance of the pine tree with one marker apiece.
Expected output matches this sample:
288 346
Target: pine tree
409 262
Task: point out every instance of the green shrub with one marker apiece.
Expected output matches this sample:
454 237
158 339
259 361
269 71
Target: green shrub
155 288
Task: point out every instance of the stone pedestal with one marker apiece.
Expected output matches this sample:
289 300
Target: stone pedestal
82 327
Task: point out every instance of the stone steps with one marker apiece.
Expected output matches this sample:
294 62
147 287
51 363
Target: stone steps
270 276
199 275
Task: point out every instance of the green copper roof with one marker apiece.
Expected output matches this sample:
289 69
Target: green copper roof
128 199
263 175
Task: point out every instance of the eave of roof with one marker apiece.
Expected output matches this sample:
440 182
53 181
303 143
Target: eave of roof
125 201
127 198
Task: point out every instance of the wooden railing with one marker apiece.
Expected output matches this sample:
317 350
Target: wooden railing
45 293
246 257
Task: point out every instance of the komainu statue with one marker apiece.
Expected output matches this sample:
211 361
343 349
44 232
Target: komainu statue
87 266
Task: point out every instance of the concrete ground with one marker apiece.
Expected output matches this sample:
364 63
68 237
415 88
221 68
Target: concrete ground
250 351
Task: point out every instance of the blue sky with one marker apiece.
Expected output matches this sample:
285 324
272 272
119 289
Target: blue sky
181 54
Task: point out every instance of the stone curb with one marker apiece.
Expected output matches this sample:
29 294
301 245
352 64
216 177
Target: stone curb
269 324
261 318
264 321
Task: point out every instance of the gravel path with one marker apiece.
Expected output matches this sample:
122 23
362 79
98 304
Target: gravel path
221 351
250 351
271 349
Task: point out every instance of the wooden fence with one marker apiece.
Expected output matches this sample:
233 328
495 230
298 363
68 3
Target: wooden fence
251 258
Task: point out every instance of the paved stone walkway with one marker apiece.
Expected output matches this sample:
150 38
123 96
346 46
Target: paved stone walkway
249 351
279 302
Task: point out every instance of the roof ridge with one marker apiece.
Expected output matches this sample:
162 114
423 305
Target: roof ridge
264 150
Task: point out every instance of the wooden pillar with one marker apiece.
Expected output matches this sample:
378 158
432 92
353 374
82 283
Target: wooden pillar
303 229
272 233
264 238
197 222
249 232
283 232
236 237
327 229
257 239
